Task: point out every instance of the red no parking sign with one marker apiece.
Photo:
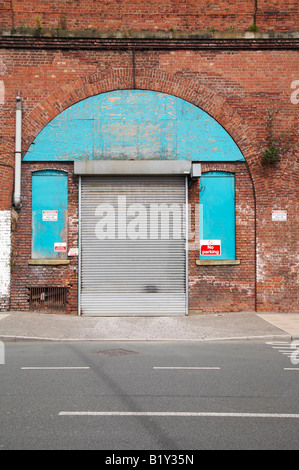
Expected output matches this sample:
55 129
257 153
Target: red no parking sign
210 247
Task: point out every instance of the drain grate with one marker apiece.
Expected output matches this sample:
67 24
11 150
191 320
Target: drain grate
116 352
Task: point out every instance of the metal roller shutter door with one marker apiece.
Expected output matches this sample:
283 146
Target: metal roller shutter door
125 276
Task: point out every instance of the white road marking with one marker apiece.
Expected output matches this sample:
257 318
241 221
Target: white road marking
53 368
188 368
291 368
287 349
179 414
284 349
277 342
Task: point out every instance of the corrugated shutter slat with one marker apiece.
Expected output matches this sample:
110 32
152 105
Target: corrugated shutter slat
132 277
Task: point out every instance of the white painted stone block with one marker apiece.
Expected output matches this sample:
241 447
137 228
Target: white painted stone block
5 252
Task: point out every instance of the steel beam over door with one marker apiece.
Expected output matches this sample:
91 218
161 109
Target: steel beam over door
133 245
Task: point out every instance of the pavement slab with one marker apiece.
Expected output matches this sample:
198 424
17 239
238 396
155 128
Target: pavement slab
221 326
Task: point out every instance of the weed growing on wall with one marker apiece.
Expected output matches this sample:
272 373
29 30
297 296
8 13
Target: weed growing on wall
277 146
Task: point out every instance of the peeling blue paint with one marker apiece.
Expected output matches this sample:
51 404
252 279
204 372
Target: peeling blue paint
217 212
133 124
49 193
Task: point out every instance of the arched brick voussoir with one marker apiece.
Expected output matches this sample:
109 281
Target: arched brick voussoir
210 102
66 96
154 80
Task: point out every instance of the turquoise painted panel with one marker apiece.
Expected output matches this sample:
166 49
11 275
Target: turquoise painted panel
217 213
133 124
49 215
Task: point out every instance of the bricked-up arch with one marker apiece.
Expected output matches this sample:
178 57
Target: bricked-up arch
139 124
98 83
155 80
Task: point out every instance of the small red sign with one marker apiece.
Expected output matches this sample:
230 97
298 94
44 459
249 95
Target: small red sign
59 246
210 247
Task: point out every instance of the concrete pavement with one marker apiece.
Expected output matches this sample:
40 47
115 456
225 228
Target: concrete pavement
33 326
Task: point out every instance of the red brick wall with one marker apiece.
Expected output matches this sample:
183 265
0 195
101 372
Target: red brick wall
277 15
212 288
24 275
225 288
155 15
237 88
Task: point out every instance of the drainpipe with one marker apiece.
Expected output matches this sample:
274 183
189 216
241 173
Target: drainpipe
18 153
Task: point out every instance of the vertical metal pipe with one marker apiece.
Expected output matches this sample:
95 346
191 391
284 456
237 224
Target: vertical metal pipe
18 153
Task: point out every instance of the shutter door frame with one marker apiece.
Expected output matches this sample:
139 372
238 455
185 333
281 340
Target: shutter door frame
185 267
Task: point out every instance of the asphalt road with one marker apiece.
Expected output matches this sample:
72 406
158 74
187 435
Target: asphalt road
164 396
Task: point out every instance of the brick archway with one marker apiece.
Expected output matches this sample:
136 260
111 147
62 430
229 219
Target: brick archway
200 96
80 89
155 80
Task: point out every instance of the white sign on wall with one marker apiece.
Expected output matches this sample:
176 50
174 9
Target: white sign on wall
50 216
279 215
60 247
210 247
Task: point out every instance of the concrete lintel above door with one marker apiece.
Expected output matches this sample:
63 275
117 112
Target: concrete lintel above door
129 167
